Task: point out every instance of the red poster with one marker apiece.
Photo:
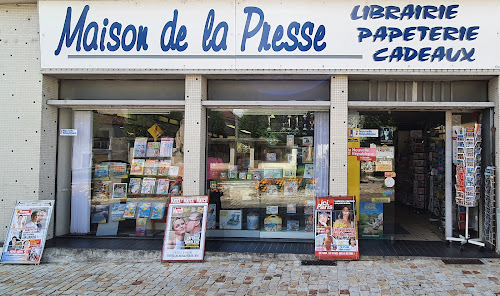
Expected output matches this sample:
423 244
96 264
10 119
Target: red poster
336 232
363 154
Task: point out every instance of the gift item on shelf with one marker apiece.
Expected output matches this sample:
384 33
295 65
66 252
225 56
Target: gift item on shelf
272 223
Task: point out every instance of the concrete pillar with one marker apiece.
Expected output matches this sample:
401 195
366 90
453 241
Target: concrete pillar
195 132
448 192
338 135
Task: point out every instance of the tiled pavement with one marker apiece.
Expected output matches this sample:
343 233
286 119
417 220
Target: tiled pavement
385 276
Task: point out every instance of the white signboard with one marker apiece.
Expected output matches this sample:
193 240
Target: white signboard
68 132
27 233
227 34
363 133
185 231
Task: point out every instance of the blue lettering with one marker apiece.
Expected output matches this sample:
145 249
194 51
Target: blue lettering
102 46
377 57
380 33
451 11
410 54
434 34
250 10
364 33
423 31
320 34
118 28
307 26
130 45
394 33
264 44
448 33
142 38
93 44
396 54
390 10
207 33
428 12
174 42
468 55
438 54
471 35
354 13
377 12
408 11
423 55
278 34
408 34
450 57
66 34
292 36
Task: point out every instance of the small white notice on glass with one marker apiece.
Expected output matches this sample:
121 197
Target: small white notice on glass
68 132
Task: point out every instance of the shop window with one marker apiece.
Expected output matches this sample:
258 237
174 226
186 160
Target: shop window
264 169
136 165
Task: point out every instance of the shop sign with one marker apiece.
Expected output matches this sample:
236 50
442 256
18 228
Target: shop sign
185 230
363 154
27 232
155 131
226 34
68 132
381 200
335 229
363 133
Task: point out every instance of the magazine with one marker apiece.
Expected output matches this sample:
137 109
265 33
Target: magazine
289 140
163 167
290 188
148 185
117 211
158 210
151 167
153 149
140 147
309 171
101 189
173 171
144 210
212 210
135 186
175 190
129 211
140 226
119 170
166 147
137 167
101 172
119 190
99 214
163 186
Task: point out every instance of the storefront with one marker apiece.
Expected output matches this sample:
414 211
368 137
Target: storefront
264 111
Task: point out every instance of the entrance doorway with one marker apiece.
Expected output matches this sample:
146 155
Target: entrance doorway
408 152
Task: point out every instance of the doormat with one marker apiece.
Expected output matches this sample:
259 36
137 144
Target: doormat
319 262
462 261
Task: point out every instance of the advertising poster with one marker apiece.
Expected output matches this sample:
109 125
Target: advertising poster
335 229
185 231
371 220
27 233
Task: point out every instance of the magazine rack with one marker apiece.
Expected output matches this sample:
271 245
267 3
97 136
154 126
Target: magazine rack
466 239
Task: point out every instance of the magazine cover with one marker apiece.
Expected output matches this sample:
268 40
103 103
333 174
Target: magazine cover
164 167
336 230
117 211
119 170
151 167
101 172
158 210
144 210
212 210
307 141
185 231
140 226
175 189
309 171
290 140
135 185
101 190
290 187
137 167
99 213
130 208
163 186
173 171
26 235
292 225
148 185
230 219
140 145
371 219
119 190
153 149
166 147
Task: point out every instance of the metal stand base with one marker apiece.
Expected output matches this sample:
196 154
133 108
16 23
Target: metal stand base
465 239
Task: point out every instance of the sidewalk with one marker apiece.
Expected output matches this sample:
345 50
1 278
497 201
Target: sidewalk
384 276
